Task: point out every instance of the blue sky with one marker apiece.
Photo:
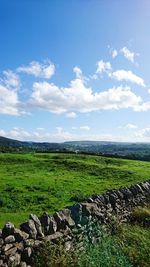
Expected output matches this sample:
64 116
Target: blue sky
75 70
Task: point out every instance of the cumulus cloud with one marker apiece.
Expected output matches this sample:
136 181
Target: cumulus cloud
127 75
145 106
8 101
10 79
80 98
10 84
128 54
9 88
103 67
76 97
42 70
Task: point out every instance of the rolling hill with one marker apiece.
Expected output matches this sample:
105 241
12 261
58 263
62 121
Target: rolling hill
118 149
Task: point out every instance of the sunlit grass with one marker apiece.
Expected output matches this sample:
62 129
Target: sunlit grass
38 182
128 247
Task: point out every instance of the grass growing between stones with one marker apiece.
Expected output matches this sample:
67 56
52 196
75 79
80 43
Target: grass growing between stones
129 247
38 182
119 245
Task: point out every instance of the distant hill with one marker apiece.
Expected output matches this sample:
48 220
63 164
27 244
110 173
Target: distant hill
117 149
7 144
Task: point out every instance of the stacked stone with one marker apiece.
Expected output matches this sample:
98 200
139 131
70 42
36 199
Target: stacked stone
69 225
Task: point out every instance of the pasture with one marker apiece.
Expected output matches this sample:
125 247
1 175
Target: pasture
38 182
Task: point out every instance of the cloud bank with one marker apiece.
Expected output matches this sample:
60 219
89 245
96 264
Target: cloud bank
77 97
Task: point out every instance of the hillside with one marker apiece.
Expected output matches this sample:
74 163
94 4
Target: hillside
10 145
35 182
120 149
116 149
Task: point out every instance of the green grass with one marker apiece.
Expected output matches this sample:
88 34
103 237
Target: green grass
135 242
119 245
108 252
48 182
141 215
129 247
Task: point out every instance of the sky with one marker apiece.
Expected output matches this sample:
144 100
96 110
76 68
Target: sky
75 70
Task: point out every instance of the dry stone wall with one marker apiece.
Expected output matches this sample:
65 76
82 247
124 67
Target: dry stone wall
17 245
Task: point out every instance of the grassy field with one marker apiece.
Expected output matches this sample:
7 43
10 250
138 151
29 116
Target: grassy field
36 182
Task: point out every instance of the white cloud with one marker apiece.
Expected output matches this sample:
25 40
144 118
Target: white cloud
114 53
71 115
127 75
78 72
43 70
143 133
145 106
11 79
85 127
2 132
9 89
9 102
131 126
19 133
103 67
59 135
76 97
79 98
128 54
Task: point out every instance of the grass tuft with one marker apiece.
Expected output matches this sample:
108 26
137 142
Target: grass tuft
141 215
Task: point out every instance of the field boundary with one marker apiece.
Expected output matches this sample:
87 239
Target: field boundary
70 224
